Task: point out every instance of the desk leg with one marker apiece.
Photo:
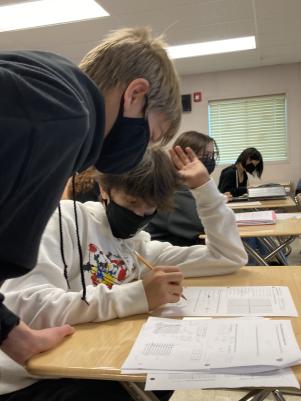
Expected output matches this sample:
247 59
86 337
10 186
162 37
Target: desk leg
262 395
276 243
280 247
270 244
257 395
250 395
138 393
278 395
255 255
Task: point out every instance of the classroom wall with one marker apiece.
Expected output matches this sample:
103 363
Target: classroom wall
251 82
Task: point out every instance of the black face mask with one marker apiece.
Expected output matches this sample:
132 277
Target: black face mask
250 168
124 146
209 163
124 223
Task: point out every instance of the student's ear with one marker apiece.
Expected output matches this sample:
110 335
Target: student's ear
135 98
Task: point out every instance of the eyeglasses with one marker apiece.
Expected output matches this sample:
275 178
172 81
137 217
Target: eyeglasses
209 155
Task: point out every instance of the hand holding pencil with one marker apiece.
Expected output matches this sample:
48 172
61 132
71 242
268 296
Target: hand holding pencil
163 284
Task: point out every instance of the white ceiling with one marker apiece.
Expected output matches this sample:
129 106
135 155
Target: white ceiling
275 23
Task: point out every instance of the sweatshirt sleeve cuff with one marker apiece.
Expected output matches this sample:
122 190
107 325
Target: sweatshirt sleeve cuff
8 320
133 299
206 193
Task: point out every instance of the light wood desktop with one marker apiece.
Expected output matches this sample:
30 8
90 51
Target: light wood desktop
97 351
282 228
285 230
264 204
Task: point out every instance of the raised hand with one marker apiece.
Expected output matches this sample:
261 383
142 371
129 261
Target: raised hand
191 169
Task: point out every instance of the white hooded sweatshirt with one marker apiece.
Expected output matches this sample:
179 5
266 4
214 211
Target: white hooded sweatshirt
42 298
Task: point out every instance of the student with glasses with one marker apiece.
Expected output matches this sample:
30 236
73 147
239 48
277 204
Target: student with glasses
182 226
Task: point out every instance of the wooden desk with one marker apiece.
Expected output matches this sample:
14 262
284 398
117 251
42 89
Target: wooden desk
97 350
289 228
264 204
269 236
282 228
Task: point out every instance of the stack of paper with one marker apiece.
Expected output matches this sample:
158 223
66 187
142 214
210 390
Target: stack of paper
191 380
256 218
234 346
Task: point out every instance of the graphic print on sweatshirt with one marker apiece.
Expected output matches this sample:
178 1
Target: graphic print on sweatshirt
105 269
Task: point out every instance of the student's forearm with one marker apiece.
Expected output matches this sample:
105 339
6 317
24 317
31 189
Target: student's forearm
47 307
223 240
239 191
223 253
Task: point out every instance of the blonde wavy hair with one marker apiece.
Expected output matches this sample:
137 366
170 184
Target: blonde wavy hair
132 53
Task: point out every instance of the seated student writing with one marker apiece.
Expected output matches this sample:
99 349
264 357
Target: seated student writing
93 268
182 225
234 178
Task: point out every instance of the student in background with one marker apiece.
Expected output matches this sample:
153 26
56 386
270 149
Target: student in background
234 178
182 225
109 276
83 187
56 120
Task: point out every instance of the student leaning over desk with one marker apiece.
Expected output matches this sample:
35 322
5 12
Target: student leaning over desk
110 233
56 120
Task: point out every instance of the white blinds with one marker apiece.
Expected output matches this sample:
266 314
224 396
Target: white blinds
258 122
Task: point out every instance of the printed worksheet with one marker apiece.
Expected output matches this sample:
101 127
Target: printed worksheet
243 204
287 216
232 301
230 345
193 380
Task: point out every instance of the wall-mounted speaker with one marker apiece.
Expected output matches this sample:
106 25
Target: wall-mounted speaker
186 103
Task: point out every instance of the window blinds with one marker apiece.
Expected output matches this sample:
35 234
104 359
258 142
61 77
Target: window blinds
259 122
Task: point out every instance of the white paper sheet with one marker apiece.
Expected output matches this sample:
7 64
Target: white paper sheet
232 301
219 345
286 216
177 381
243 204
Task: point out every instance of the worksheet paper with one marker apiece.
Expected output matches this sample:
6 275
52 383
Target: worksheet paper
193 380
287 216
232 301
230 345
245 204
255 218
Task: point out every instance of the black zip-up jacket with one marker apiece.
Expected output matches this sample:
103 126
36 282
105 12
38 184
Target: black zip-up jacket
228 182
51 126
